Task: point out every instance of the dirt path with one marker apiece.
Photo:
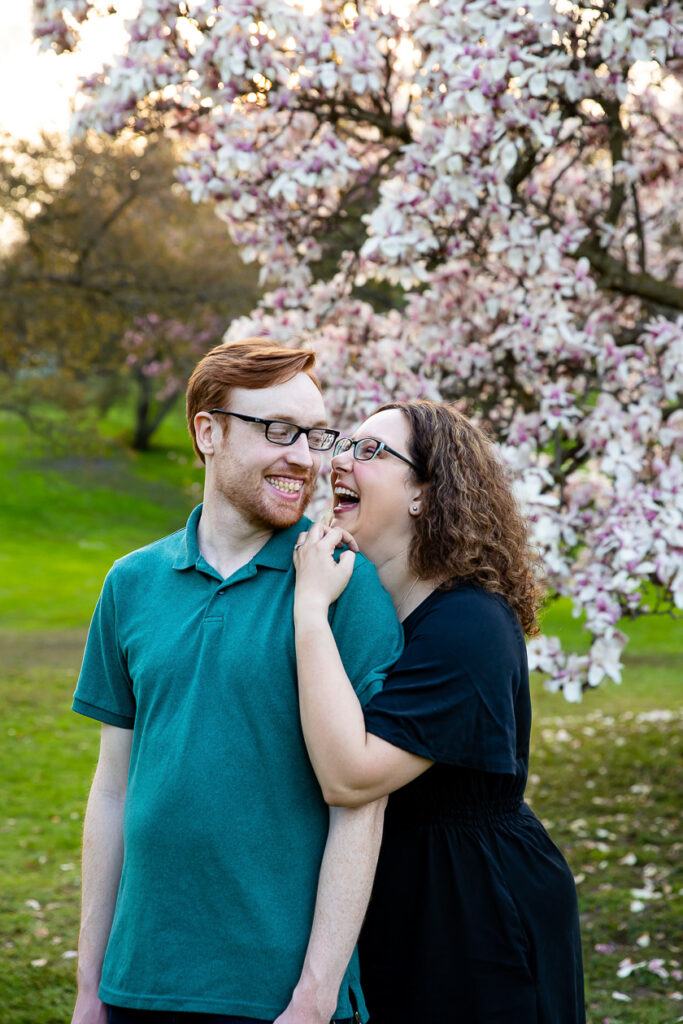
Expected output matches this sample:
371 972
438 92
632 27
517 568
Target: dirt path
61 649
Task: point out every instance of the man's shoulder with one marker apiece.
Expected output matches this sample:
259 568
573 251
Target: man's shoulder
365 586
159 553
364 568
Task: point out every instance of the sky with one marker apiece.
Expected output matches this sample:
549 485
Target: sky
37 89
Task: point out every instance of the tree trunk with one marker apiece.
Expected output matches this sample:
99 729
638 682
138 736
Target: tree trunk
147 418
143 406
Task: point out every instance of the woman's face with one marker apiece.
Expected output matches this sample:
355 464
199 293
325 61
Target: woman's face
372 500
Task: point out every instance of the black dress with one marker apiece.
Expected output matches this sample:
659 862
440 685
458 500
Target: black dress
473 917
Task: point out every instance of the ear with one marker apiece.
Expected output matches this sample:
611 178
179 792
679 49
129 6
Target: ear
203 428
415 507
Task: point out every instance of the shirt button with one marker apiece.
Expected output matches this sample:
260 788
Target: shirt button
221 592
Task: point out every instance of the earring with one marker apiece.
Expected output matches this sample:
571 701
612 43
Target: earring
415 508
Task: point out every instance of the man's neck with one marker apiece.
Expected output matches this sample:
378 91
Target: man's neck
226 540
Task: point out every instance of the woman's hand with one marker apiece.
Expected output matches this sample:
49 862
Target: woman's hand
320 578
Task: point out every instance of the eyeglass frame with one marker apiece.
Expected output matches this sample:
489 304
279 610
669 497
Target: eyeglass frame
381 447
283 444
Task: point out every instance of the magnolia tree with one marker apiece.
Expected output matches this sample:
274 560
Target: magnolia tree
471 200
161 353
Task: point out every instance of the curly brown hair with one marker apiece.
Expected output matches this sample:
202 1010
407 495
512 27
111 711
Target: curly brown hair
470 527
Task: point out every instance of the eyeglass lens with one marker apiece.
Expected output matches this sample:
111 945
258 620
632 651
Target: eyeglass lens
363 450
280 432
366 448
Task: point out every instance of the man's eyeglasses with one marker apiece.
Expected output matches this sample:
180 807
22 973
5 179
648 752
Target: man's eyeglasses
366 449
320 439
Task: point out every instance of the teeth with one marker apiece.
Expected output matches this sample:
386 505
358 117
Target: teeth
282 484
345 490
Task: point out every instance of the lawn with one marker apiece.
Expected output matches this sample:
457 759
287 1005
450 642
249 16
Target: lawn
605 774
65 518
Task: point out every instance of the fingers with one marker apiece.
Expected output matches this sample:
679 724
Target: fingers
346 559
315 533
334 537
349 540
331 537
340 536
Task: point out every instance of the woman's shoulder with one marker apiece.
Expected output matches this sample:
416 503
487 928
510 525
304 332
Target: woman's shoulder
465 605
465 618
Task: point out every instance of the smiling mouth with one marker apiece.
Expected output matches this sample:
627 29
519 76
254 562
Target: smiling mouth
287 486
345 499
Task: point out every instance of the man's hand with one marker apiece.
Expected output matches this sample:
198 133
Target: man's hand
89 1009
307 1008
292 1016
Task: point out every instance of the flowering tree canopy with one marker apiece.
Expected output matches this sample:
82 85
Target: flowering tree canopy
474 200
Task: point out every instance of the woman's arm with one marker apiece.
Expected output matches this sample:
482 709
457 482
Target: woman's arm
352 766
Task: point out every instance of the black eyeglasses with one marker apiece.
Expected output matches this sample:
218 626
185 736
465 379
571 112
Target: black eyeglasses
320 439
366 449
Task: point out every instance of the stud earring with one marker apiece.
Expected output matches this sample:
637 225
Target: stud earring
414 508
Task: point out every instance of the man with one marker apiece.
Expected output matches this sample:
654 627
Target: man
217 886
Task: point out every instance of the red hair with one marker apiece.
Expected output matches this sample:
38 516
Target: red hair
252 363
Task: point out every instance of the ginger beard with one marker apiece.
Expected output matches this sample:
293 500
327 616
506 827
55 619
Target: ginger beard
269 485
275 499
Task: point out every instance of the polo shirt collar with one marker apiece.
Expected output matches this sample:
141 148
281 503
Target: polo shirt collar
275 553
188 547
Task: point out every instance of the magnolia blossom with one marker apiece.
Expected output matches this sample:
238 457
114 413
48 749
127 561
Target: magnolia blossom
474 202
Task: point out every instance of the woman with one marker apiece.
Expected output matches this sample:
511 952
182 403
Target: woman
473 916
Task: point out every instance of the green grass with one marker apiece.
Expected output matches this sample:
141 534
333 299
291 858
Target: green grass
652 664
65 519
604 784
604 774
46 759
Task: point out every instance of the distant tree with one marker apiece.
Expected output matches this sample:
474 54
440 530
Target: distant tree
103 237
161 354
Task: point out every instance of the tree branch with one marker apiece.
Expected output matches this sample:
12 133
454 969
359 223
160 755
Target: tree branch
103 227
642 254
614 276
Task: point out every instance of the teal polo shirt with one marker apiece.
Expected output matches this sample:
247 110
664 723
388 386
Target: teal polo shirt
224 822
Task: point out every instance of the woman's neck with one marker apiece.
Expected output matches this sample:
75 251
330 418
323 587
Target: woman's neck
404 586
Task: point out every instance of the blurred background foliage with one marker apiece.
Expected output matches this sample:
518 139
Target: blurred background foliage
112 284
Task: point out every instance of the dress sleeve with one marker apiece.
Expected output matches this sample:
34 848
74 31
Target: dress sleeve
104 690
450 697
366 630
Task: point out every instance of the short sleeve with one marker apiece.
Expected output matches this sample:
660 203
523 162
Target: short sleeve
450 697
104 690
367 632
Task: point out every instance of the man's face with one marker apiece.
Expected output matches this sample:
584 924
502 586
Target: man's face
270 485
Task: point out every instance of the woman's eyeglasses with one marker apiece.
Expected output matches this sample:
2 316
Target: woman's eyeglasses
366 448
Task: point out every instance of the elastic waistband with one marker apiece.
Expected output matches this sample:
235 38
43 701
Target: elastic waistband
457 813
